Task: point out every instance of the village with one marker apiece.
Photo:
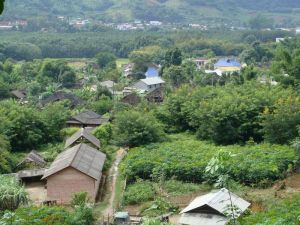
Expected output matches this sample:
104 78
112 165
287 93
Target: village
79 167
157 112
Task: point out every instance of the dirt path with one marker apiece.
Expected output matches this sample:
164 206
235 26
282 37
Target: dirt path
113 174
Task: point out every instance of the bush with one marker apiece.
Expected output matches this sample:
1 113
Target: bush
79 199
225 115
185 158
281 121
49 216
139 192
134 128
103 133
69 131
12 195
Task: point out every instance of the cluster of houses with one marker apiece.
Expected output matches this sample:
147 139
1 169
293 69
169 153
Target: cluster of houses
10 25
78 168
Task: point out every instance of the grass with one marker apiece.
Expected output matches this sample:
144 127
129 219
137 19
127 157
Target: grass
120 183
122 61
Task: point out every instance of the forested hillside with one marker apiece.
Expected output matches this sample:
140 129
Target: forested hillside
163 10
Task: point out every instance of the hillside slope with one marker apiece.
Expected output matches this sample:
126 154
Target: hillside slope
164 10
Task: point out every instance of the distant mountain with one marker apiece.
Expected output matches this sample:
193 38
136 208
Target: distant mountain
184 11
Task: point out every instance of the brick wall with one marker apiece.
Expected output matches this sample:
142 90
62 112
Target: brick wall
62 185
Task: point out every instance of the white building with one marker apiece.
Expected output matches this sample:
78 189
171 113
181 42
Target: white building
149 84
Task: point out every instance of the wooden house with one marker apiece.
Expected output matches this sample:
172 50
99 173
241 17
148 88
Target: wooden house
77 169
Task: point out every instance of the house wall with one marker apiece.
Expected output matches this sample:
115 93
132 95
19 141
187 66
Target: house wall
141 86
62 185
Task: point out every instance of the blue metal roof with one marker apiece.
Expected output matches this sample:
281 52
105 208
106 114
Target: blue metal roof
228 63
152 72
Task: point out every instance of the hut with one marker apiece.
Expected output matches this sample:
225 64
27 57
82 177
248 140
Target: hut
78 169
19 94
213 209
82 136
32 160
87 119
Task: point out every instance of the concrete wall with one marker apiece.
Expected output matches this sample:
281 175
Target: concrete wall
62 185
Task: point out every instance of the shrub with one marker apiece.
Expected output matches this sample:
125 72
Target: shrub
103 133
69 131
135 128
139 192
12 195
280 124
79 199
186 158
49 216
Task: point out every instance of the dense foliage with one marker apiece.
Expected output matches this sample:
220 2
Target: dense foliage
12 194
185 158
133 128
226 115
26 127
162 10
48 216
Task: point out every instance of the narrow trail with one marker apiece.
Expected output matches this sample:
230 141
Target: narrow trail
113 174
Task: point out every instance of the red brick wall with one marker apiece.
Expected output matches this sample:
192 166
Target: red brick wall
62 185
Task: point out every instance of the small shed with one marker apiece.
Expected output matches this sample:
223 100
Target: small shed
213 209
19 94
32 160
87 119
78 169
83 136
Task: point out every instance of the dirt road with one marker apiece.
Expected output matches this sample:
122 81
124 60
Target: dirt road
113 174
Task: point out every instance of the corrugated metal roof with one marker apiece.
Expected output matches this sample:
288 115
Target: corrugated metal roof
108 84
227 62
82 133
219 201
81 157
153 80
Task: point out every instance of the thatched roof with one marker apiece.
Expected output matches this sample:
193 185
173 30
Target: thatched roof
80 157
34 157
82 133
